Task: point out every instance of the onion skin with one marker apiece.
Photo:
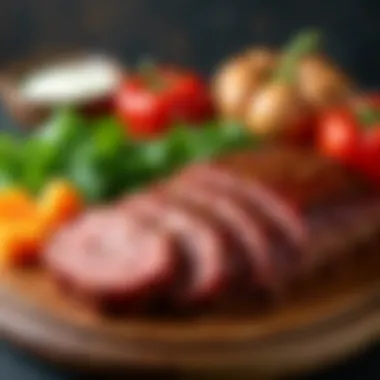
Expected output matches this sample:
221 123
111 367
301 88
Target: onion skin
240 78
271 108
321 83
277 111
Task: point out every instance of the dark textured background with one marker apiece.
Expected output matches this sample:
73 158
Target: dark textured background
197 33
193 32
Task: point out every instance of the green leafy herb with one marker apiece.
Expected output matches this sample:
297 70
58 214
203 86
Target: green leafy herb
10 160
98 157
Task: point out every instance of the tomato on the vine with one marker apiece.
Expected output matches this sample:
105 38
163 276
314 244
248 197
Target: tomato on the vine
338 135
150 102
352 135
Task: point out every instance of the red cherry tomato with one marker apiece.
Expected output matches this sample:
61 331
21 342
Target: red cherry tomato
369 158
338 135
150 104
352 136
371 99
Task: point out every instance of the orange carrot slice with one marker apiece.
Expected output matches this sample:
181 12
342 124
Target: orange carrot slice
59 202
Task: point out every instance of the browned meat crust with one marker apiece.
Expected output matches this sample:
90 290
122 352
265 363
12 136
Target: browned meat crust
257 219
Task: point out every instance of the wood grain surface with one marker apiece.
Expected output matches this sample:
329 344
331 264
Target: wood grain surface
324 320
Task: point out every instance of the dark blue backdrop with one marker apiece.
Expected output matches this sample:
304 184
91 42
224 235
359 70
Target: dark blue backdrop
193 32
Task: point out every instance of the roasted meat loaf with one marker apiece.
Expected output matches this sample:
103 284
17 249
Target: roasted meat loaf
241 226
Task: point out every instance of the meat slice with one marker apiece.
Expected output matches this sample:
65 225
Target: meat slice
201 245
282 222
300 176
272 216
249 244
109 261
342 228
284 185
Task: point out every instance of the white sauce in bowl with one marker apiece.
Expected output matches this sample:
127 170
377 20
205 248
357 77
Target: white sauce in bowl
72 82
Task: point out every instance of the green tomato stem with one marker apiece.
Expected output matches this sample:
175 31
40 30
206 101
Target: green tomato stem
148 71
368 116
303 44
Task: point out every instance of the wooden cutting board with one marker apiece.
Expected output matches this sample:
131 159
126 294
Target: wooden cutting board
325 320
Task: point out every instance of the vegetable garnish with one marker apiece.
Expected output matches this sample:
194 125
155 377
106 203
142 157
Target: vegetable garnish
59 202
352 136
153 100
277 109
101 160
26 222
239 78
322 83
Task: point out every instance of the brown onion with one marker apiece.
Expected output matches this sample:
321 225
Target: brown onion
239 78
321 83
275 110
